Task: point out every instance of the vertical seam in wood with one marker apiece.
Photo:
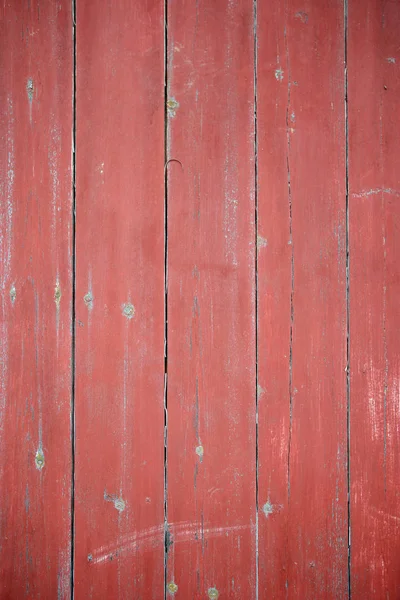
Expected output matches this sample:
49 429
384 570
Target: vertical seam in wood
347 293
166 533
256 278
73 300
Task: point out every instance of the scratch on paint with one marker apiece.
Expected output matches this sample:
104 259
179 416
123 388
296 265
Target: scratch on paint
366 193
185 531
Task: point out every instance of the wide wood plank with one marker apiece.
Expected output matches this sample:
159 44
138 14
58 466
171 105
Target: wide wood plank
36 80
119 489
374 227
211 301
302 300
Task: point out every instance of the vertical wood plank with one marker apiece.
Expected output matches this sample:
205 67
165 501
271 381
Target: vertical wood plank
36 298
211 300
302 300
374 226
120 300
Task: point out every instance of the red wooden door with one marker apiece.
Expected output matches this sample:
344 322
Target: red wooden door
199 266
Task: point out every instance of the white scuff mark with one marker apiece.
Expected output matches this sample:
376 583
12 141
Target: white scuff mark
13 293
279 74
53 165
63 573
6 217
374 192
268 508
30 92
147 538
261 242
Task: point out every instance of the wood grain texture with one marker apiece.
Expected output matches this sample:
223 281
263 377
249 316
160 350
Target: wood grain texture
36 298
119 489
302 300
211 300
374 226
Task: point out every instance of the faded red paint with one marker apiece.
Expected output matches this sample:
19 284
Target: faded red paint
302 301
211 319
36 299
119 483
241 176
374 226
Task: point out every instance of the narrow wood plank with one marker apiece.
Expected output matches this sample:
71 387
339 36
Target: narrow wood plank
302 300
374 196
36 79
211 303
120 300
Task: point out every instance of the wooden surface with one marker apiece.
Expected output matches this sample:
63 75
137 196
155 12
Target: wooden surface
374 227
302 301
36 299
232 267
211 392
119 508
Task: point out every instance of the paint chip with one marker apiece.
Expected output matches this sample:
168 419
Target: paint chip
128 310
268 508
213 592
279 74
88 299
303 16
200 452
57 293
260 391
39 459
391 60
261 242
172 107
119 503
172 587
13 293
29 90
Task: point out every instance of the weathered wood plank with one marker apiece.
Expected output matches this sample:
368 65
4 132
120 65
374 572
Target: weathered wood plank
374 226
302 300
120 300
211 303
36 298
